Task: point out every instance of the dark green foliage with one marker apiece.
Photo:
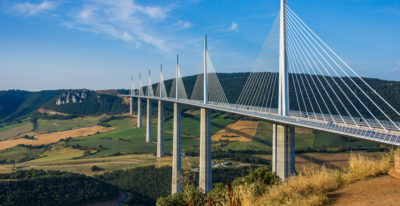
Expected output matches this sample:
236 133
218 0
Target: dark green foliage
28 137
16 105
22 153
245 156
145 183
93 104
34 121
38 187
103 121
96 168
177 199
263 175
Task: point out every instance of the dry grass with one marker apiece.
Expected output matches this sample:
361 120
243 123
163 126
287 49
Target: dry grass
50 112
311 185
53 137
239 131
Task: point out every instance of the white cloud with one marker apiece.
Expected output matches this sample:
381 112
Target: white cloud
123 19
183 24
234 27
30 9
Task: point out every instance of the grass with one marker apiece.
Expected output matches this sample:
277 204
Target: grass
311 185
57 153
327 139
54 125
12 126
15 130
125 138
20 153
84 166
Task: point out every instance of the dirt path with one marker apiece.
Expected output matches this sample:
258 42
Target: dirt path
383 190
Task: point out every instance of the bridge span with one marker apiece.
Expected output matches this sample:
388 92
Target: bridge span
325 93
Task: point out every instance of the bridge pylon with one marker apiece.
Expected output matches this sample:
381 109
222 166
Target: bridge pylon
205 176
176 144
139 111
148 122
131 92
160 123
283 157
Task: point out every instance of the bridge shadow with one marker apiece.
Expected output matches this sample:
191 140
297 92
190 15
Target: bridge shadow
320 162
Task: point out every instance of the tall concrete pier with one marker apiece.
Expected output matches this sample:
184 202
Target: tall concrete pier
131 98
205 176
139 113
160 130
160 125
148 122
283 158
283 155
176 152
176 144
131 105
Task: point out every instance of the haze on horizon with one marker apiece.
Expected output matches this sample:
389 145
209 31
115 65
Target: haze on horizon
99 44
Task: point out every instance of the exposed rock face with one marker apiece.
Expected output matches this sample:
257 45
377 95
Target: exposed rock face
73 96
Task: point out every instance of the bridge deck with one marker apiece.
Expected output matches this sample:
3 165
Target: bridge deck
336 126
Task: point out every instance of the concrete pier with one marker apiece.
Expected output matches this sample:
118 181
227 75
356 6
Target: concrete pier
139 113
283 154
131 106
205 176
160 130
148 122
176 152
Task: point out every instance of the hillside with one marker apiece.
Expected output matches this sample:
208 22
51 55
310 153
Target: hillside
17 104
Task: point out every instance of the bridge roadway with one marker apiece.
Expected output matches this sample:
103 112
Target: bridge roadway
377 135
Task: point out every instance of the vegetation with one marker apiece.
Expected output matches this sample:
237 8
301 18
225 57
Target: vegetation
21 153
309 187
38 187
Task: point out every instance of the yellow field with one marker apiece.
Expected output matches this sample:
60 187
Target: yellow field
60 154
238 131
50 112
84 165
48 138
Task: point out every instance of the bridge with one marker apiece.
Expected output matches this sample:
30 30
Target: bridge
297 81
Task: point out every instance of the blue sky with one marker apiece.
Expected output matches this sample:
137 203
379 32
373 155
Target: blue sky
98 44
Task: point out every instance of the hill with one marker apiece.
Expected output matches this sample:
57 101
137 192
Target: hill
16 104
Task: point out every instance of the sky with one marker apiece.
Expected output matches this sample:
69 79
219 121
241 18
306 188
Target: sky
99 44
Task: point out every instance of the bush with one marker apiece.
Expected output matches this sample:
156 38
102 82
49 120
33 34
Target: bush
96 169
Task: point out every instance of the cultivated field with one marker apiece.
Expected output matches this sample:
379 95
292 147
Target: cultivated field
15 130
84 166
54 125
49 138
239 131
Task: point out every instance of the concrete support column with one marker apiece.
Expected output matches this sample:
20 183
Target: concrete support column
205 176
148 122
139 113
283 155
160 130
176 152
131 106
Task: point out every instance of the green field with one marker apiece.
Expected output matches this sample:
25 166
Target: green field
15 130
125 138
20 154
54 125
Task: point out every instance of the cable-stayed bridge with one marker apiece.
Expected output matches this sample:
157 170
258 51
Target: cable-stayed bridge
297 81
